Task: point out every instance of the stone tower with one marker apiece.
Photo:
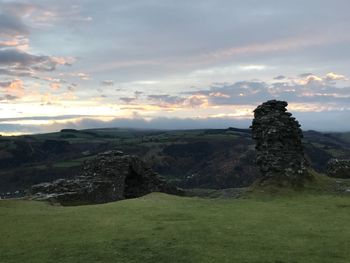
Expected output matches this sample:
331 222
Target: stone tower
280 155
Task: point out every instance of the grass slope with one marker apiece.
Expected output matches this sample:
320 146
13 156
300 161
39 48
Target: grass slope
164 228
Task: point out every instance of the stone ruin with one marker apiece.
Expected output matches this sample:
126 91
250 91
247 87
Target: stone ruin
338 168
110 176
280 155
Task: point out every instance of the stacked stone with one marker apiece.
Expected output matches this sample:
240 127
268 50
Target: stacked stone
111 176
280 155
338 168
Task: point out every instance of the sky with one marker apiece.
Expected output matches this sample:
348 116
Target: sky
171 64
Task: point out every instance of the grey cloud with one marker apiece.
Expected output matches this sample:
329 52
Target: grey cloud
195 101
59 117
162 38
314 92
8 97
5 84
107 82
304 75
127 99
22 64
280 77
17 72
167 99
11 25
11 18
255 92
14 57
243 92
72 86
17 8
167 36
138 93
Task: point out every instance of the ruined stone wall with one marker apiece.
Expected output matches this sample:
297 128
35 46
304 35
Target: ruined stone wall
280 155
110 176
338 168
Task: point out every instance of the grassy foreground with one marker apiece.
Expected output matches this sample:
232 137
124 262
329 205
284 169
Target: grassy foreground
164 228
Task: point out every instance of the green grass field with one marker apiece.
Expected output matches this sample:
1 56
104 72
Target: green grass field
163 228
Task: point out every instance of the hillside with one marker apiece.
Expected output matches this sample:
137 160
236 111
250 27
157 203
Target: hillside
215 158
310 228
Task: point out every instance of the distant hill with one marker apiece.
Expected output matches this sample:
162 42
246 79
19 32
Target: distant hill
206 158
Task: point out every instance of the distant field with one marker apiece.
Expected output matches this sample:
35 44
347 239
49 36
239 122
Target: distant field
164 228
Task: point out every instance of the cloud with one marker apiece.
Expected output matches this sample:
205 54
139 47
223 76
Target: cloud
127 100
164 123
308 120
136 123
16 28
167 101
8 97
5 84
268 47
15 72
304 75
22 61
107 82
252 67
53 118
309 78
243 92
55 85
163 100
307 88
18 9
280 77
14 62
196 101
11 25
14 87
138 93
333 76
80 75
16 43
72 87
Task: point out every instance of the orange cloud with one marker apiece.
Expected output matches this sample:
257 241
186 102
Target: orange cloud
9 43
197 101
63 60
334 76
15 88
311 78
55 85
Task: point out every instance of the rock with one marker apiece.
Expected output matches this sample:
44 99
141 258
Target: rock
111 176
280 155
338 168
